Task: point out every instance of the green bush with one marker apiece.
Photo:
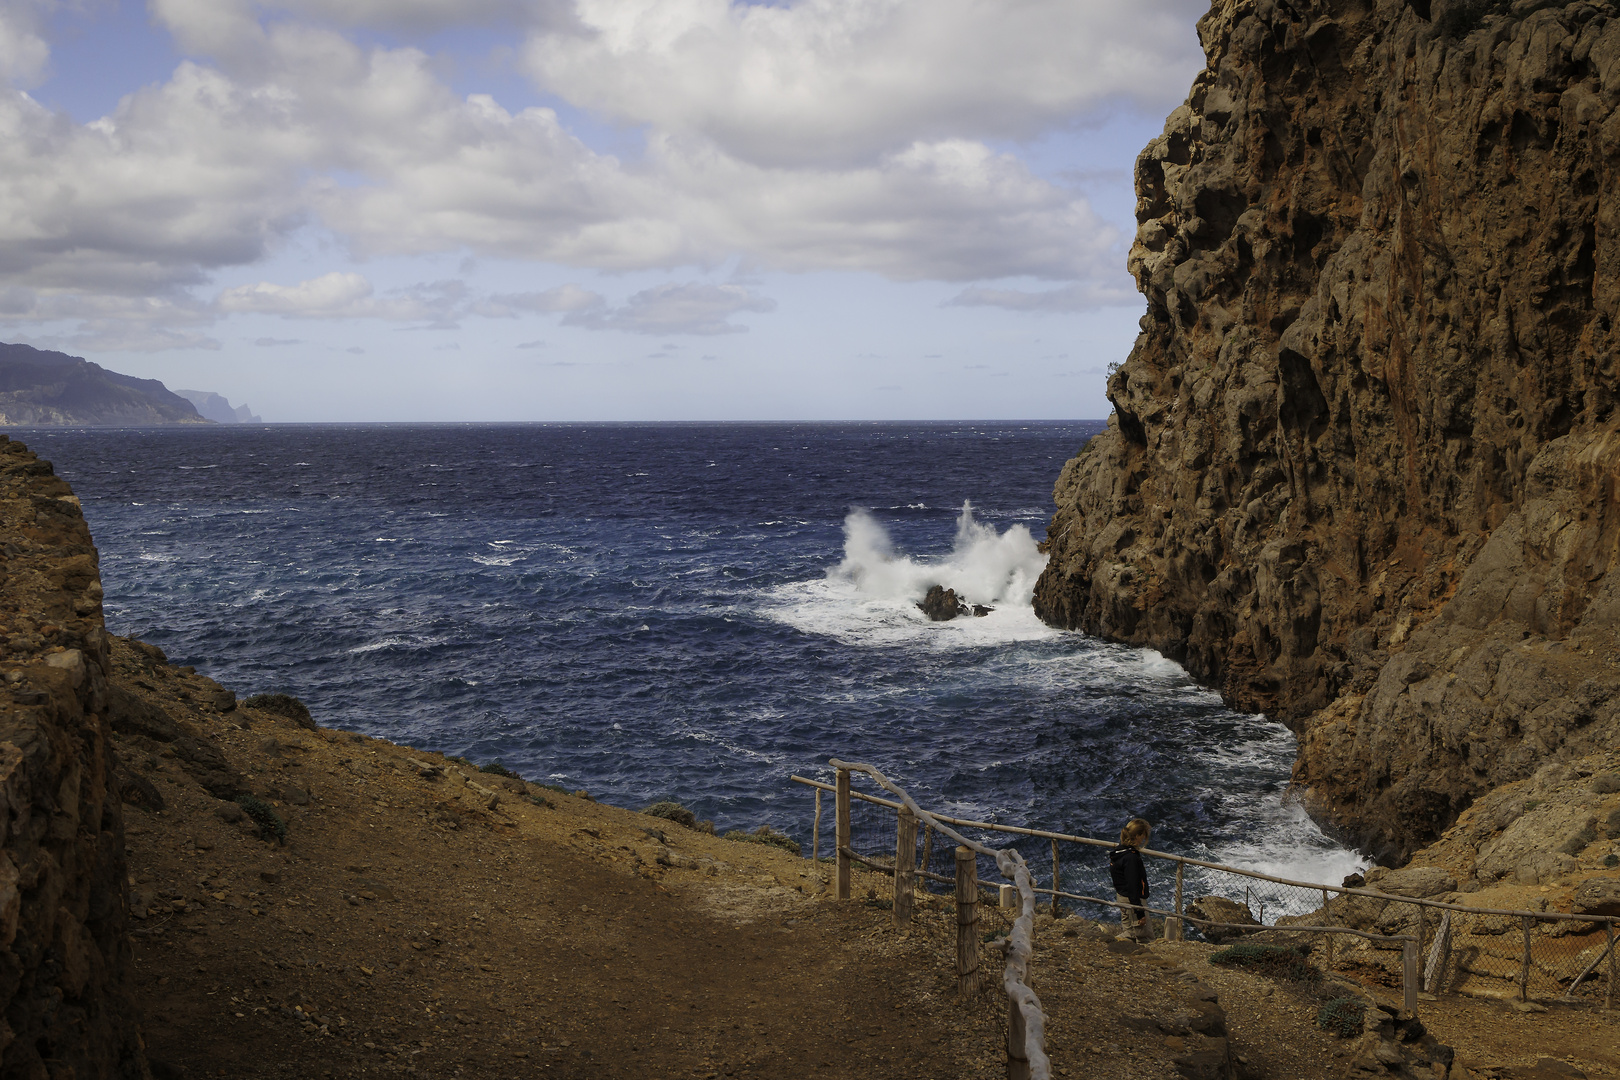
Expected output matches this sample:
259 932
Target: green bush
1277 961
283 705
499 770
270 823
766 835
1577 843
1611 860
1342 1016
672 811
1463 17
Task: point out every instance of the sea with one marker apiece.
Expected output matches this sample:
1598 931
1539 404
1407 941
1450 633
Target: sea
686 612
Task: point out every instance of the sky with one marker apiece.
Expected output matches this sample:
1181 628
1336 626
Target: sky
508 210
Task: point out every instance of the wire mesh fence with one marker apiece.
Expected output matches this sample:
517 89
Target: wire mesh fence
1354 931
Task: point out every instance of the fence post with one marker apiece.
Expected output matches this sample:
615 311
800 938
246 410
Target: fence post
1524 968
928 851
1017 1051
841 833
815 833
967 923
905 865
1608 998
1057 912
1174 929
1409 974
1434 978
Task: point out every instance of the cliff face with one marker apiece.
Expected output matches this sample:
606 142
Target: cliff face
65 961
52 389
1364 463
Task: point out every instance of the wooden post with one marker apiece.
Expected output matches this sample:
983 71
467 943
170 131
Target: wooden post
1175 929
1328 936
1524 967
1057 912
928 851
1608 998
1017 1052
1422 934
841 833
1434 977
1409 974
905 865
815 833
1329 952
967 924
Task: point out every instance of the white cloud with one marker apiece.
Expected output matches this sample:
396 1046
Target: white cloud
691 308
328 295
838 81
1081 296
24 53
817 135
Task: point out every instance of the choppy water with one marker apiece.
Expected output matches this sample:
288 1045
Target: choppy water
684 611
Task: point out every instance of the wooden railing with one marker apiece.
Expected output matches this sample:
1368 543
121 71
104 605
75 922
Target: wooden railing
905 873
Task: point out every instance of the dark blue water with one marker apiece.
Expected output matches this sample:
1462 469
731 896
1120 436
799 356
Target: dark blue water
676 611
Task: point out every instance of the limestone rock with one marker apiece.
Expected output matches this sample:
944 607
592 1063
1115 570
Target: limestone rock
1359 472
1218 909
66 973
1598 896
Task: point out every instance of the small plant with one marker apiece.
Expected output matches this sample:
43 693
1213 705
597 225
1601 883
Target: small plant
270 823
541 800
672 811
1342 1016
1277 961
766 835
1577 843
1611 860
283 705
1531 804
498 769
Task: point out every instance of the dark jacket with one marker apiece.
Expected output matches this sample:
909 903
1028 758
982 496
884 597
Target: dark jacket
1130 877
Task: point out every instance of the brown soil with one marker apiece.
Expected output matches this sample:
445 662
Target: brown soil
409 926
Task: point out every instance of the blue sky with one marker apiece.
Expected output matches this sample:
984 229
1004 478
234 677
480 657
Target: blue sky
585 209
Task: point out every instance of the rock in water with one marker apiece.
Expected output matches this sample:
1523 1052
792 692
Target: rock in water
1360 471
942 604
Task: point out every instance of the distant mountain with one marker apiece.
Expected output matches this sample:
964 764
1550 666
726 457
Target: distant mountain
214 407
52 389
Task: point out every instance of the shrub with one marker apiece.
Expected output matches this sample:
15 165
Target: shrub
672 811
766 835
1577 843
270 823
1463 17
1342 1016
283 705
499 770
1277 961
1611 860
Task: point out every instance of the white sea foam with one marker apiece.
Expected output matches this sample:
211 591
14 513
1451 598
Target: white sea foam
870 598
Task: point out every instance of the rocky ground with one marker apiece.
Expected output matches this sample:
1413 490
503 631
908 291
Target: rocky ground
426 918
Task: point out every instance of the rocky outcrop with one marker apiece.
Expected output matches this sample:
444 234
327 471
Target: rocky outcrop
215 407
51 389
1363 468
65 968
942 605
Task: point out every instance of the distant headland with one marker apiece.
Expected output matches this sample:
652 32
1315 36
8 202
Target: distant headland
40 388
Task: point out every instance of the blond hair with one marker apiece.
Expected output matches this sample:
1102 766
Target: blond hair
1135 832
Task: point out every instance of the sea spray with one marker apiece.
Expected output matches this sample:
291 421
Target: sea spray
984 566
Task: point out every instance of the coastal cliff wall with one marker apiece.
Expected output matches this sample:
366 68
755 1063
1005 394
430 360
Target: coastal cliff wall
1364 468
66 1005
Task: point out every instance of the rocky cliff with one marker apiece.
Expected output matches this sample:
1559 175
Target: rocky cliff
65 959
1362 472
51 389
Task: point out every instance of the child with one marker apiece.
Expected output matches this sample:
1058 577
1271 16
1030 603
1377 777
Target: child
1130 878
